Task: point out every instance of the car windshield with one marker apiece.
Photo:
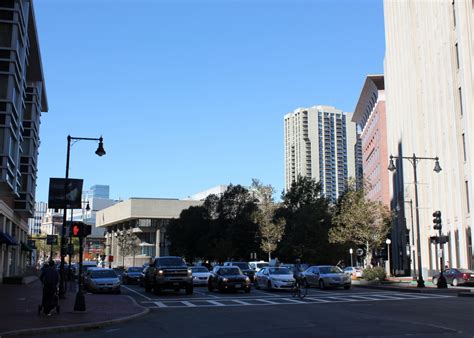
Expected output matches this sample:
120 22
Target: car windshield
229 271
199 269
135 269
330 269
261 265
171 262
241 265
103 274
280 271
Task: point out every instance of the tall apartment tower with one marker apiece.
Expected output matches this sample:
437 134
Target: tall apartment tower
319 143
22 99
429 81
34 223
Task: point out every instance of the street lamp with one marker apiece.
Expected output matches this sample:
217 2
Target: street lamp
437 168
351 252
388 242
100 152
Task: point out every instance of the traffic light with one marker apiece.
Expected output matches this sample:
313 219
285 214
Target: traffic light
79 229
437 220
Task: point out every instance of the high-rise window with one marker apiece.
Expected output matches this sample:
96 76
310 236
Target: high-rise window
454 13
460 101
464 146
467 197
457 55
5 35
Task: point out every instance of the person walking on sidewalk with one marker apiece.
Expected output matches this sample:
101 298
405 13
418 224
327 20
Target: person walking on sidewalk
50 279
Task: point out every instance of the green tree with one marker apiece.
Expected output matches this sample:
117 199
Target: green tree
308 220
271 230
360 220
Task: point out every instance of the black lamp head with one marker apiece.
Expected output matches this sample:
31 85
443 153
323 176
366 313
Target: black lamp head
100 149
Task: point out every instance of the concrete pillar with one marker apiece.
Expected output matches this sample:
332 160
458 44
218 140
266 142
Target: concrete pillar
157 245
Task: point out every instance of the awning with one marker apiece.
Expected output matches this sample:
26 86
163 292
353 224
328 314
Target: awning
25 247
7 239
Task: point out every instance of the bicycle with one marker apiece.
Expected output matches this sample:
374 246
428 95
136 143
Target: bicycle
299 290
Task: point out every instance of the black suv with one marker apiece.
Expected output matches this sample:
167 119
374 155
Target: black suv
168 272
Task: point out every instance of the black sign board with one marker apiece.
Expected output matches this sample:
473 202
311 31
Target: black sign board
65 193
51 239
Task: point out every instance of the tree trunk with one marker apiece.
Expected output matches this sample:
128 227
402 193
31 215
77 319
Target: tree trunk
269 256
368 255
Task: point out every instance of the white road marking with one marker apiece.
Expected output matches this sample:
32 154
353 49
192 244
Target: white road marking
294 300
215 303
241 302
160 304
138 293
188 303
266 301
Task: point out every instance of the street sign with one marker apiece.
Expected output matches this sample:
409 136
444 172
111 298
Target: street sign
51 239
359 252
111 258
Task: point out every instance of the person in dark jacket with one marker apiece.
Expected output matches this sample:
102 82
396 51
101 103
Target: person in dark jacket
50 279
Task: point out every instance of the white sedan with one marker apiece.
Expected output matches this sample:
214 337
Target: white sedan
274 278
200 275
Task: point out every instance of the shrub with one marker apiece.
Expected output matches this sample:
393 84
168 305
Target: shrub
375 273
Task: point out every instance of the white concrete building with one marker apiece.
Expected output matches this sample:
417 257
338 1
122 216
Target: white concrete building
429 80
148 218
320 143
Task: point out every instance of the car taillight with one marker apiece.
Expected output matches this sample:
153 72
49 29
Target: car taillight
465 276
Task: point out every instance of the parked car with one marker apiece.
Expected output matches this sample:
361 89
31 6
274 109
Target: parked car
258 265
132 274
102 280
200 275
228 278
325 276
244 267
353 271
456 277
168 272
274 278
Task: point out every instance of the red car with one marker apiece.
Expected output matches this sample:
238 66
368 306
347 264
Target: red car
456 277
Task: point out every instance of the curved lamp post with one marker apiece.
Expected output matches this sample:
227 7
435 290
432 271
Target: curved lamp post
437 168
99 152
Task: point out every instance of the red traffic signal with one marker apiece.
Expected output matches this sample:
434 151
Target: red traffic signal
79 229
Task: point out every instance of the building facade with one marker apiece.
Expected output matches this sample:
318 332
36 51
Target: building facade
320 143
34 223
370 119
22 100
145 217
429 101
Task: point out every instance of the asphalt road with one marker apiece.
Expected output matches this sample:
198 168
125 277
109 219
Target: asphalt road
331 313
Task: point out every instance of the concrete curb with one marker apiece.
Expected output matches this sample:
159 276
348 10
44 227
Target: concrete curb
76 327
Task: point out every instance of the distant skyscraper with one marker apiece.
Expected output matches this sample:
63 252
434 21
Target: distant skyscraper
320 144
99 191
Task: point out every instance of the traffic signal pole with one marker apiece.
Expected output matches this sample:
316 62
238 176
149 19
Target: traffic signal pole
442 284
80 303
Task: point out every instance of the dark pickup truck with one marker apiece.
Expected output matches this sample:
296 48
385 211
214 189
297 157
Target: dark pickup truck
168 272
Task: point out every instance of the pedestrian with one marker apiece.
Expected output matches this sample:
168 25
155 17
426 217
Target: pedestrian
50 279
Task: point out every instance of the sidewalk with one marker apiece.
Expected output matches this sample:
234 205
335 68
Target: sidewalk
407 284
19 311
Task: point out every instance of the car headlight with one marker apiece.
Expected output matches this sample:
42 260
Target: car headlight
190 272
160 272
225 280
247 279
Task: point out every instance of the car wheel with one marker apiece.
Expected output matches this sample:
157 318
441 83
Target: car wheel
347 287
118 292
147 287
247 290
455 282
269 285
435 281
305 284
156 289
321 284
209 287
256 285
221 287
189 290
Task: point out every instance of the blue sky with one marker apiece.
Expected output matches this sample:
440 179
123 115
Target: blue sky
191 94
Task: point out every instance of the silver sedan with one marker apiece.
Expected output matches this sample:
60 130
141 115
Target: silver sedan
274 278
325 276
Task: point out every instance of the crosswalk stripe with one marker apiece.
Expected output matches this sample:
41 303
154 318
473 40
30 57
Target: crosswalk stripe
241 302
294 300
215 302
320 300
266 301
188 303
160 304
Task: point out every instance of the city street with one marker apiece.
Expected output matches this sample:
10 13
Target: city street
343 313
